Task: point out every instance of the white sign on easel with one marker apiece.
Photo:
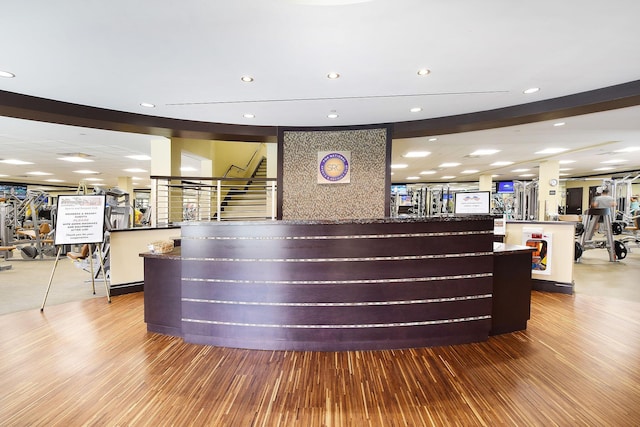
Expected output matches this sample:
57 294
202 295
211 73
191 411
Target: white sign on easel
79 220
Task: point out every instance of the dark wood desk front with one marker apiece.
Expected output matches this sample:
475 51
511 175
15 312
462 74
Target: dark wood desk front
327 286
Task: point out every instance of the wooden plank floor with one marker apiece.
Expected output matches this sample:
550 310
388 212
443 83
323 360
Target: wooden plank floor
93 363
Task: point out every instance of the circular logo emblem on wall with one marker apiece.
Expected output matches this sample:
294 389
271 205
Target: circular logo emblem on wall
334 167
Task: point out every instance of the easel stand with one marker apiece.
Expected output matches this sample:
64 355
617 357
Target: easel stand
93 283
80 219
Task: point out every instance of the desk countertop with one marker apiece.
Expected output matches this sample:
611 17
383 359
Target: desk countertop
505 249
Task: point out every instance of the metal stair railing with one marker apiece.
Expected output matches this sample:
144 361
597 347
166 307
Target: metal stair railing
178 199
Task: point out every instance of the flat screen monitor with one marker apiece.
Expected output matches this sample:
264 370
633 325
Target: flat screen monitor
504 187
472 203
400 189
19 191
405 201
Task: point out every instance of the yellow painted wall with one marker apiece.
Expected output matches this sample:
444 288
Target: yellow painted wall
238 154
223 154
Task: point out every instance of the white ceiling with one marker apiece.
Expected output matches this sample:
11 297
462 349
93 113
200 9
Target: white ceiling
187 58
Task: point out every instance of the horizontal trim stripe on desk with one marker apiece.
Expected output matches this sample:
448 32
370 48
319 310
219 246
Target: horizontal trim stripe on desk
341 282
340 304
354 326
377 258
342 237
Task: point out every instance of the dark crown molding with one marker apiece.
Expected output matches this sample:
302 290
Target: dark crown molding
47 110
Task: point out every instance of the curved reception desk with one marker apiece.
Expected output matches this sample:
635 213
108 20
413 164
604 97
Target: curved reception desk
326 285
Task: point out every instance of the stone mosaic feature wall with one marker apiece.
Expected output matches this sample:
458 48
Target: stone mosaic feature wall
364 197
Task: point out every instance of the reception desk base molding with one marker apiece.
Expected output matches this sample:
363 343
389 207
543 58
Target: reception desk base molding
557 287
126 288
390 338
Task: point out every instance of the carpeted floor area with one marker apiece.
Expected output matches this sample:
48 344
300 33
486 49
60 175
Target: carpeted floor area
23 287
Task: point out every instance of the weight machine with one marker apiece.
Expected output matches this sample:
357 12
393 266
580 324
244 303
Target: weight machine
598 220
625 222
118 209
525 200
22 225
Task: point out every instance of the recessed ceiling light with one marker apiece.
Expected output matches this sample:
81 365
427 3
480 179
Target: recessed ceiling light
139 157
563 174
249 116
501 163
531 90
449 165
416 109
54 180
519 170
75 159
39 173
3 175
484 152
399 166
427 172
565 169
423 71
607 168
551 151
470 171
333 115
627 150
134 170
559 124
433 139
526 175
417 154
94 179
246 79
614 161
413 177
333 76
448 177
15 162
147 105
7 74
86 172
566 162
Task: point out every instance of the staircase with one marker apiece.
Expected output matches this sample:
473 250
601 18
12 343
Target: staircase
247 202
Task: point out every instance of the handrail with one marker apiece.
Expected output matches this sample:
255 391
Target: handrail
206 178
248 163
213 199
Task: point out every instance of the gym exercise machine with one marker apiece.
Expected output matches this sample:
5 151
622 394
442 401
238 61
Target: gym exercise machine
119 211
422 201
598 220
525 204
22 224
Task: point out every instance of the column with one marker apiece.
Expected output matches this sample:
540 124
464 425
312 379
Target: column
548 190
486 183
165 161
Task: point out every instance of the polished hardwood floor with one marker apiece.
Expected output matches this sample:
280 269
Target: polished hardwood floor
93 363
